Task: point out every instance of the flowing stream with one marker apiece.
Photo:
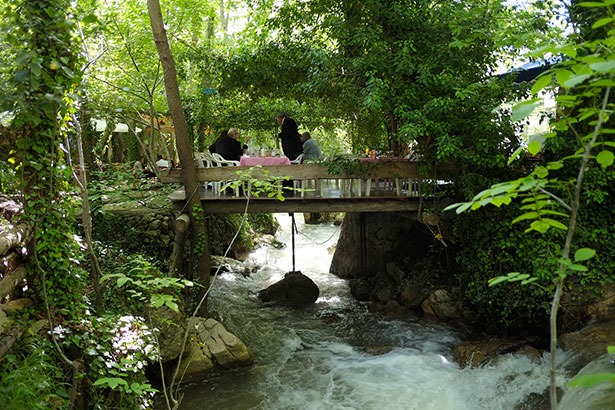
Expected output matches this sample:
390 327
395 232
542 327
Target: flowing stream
317 357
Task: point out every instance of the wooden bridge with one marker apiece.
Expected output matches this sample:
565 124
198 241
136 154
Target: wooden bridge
378 186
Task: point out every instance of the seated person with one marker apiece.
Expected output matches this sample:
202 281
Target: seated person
311 150
228 146
212 147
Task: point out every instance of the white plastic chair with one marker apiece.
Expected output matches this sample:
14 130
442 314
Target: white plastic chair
205 160
301 183
219 161
297 160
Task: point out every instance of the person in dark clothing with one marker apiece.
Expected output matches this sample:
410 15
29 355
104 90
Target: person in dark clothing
228 147
212 147
291 140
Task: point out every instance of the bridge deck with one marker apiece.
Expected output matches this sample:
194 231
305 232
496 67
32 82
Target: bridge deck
387 187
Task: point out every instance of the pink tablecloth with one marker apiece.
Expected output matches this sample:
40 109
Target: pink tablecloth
252 161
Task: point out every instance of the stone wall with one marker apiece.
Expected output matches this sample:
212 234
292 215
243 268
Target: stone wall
396 261
139 230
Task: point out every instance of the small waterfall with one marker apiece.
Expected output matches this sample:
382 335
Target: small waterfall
319 357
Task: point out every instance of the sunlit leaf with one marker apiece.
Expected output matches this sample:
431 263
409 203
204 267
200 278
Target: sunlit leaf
605 158
602 22
575 80
464 207
591 4
555 165
501 200
534 147
112 382
453 206
515 155
562 76
524 109
497 279
539 226
541 172
584 254
527 215
542 82
603 66
519 277
554 223
577 267
590 380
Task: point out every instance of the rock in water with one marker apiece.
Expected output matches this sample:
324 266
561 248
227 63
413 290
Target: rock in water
295 289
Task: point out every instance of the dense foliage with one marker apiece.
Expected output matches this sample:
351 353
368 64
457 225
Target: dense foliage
399 76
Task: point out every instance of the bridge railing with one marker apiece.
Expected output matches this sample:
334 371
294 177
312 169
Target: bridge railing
397 178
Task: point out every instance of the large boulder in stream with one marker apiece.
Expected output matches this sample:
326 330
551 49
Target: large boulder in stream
295 289
598 397
210 346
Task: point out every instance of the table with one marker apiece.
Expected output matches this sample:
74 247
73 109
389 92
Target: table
246 161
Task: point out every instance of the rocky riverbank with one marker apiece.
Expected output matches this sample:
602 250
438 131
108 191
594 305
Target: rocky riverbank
401 273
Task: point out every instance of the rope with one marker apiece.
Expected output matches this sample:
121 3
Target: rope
320 243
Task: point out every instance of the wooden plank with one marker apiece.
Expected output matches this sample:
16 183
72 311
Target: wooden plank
385 169
272 205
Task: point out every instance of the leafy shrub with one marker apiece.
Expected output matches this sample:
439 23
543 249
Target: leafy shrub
32 378
117 350
489 249
9 184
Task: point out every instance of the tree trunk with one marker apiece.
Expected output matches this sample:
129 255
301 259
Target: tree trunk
200 241
16 236
11 280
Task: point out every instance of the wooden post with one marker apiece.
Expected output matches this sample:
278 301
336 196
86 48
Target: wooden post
181 229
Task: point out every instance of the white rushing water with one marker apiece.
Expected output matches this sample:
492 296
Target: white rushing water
315 357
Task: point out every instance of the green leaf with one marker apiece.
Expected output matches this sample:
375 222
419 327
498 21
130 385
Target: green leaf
575 80
500 279
112 382
515 155
603 66
453 206
519 277
555 224
122 281
539 226
527 215
610 349
592 4
501 200
602 22
464 207
502 188
524 109
605 158
542 82
590 380
576 267
529 281
541 172
534 147
562 76
555 165
584 254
